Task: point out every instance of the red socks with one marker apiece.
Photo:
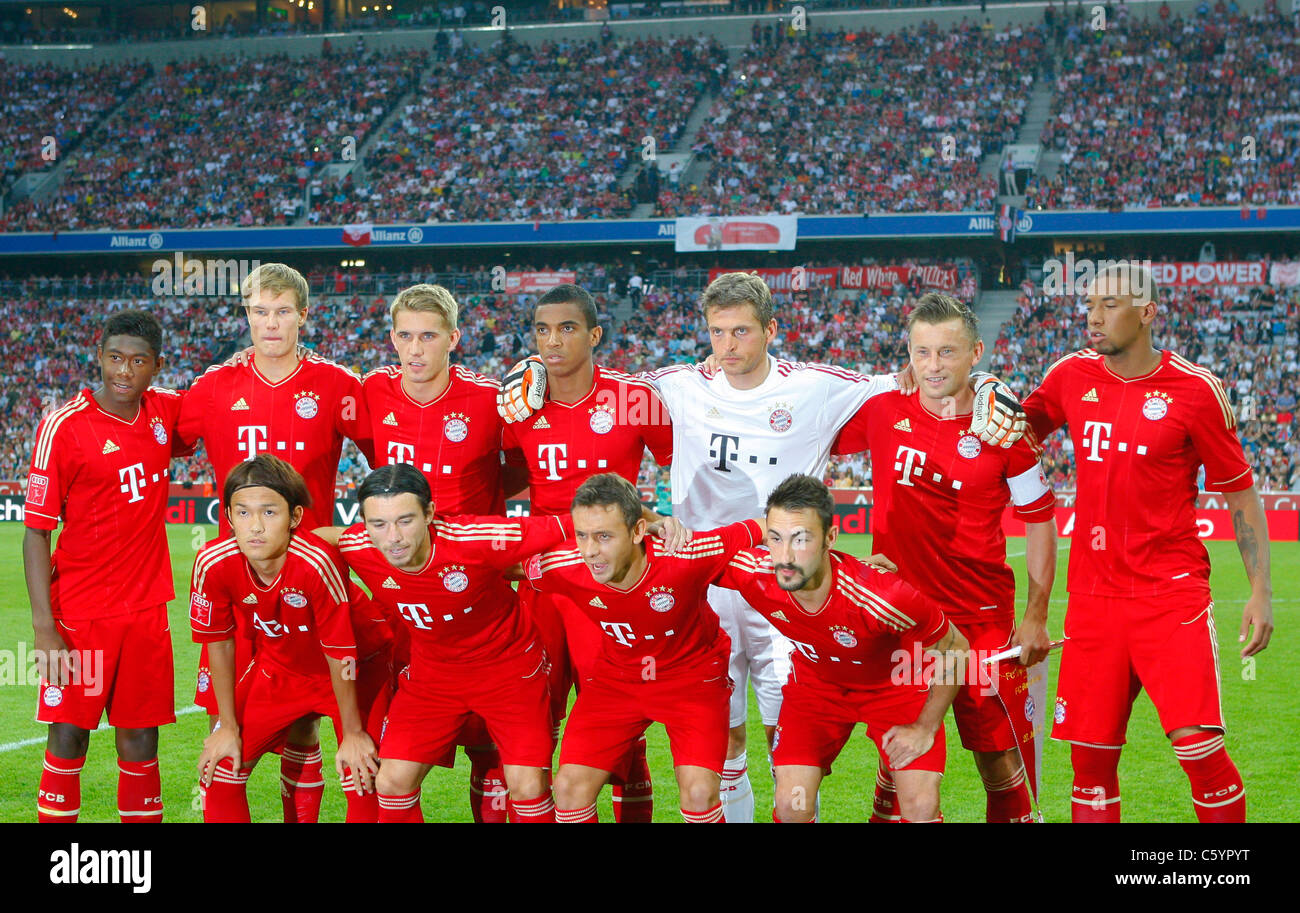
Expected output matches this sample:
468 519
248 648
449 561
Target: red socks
488 796
712 816
884 808
226 800
363 809
58 799
302 783
139 792
1218 795
403 809
1095 797
577 815
533 811
1008 802
634 796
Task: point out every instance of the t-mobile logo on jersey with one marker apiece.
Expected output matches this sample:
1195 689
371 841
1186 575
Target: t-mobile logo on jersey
551 457
271 627
400 453
1096 437
617 630
720 444
417 613
806 649
252 440
909 461
132 478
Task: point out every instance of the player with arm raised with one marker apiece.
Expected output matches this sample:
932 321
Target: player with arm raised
1143 421
442 419
99 605
294 405
596 420
294 602
662 658
856 630
939 497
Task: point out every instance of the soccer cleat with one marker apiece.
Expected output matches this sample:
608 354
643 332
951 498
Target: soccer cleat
523 391
997 417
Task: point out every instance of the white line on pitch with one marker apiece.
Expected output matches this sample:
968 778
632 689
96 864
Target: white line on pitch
11 746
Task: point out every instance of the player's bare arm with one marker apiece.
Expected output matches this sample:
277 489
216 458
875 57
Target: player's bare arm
904 744
329 533
1251 528
52 661
1040 564
224 740
356 749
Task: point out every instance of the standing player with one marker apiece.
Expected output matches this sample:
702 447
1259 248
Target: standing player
472 650
1143 421
849 622
294 601
939 496
298 407
442 419
99 606
663 657
596 420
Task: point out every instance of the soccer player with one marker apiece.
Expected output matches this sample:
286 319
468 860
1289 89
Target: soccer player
99 605
1143 421
294 405
472 650
442 419
596 420
294 602
663 657
939 496
855 629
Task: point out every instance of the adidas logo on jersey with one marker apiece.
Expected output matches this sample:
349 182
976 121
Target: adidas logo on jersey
389 419
713 413
595 601
541 424
779 614
391 584
1091 396
904 425
239 406
250 599
110 447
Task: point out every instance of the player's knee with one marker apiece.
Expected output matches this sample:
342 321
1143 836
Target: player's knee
525 783
305 731
791 808
67 741
392 781
137 744
919 803
699 795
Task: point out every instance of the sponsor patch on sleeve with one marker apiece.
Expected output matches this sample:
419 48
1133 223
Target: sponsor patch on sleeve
37 486
200 609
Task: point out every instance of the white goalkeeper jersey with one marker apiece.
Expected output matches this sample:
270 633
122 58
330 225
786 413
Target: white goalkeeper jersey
732 447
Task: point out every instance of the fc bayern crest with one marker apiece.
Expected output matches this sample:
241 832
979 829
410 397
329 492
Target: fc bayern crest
306 405
602 422
969 446
297 600
455 429
844 637
661 601
1029 708
780 419
456 581
159 432
1059 715
205 682
53 696
1156 407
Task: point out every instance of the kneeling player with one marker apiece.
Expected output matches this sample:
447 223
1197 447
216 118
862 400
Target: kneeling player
664 656
850 624
295 604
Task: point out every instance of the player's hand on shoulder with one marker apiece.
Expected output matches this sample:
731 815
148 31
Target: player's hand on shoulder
357 753
523 390
906 380
904 744
881 563
712 364
1257 615
220 743
997 417
672 533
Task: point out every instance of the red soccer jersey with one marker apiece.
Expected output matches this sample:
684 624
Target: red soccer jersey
455 440
663 617
295 621
1138 443
457 608
853 641
302 419
607 430
107 478
938 494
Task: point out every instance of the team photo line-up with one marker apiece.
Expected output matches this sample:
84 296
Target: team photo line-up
470 628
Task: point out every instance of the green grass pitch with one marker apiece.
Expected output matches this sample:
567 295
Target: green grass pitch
1256 701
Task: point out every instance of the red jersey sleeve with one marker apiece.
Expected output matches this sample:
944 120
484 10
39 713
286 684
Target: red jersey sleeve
1216 442
1044 407
929 623
331 614
52 472
354 416
1033 499
853 436
194 412
657 433
212 611
735 537
501 543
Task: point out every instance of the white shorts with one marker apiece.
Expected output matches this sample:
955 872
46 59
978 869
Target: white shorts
759 653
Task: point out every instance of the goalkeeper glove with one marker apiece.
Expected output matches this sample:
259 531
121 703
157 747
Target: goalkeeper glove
998 418
523 391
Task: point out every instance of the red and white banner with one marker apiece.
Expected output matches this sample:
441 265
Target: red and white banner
736 233
521 283
792 279
1284 275
1228 272
943 278
358 235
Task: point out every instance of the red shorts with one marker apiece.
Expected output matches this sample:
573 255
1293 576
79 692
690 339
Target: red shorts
611 714
269 699
512 696
122 665
1115 647
817 719
572 640
983 721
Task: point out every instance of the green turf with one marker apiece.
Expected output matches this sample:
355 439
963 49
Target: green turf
1153 785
